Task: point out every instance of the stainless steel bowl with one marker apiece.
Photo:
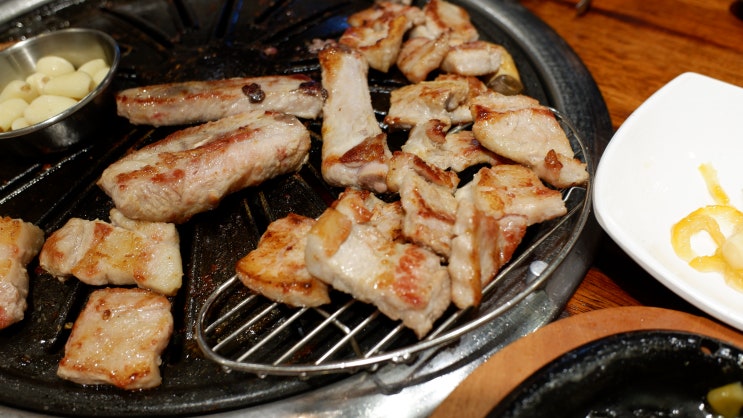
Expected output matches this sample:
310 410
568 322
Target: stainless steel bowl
78 122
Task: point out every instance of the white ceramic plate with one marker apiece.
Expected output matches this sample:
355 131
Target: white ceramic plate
648 179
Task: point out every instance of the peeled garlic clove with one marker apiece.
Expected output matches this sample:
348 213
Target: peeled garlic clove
46 106
54 66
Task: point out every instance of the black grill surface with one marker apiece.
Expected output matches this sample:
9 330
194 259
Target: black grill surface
164 41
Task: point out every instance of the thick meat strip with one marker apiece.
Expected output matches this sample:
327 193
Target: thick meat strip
118 339
191 170
354 148
202 101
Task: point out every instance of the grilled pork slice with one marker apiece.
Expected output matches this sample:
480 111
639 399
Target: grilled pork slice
118 339
384 9
476 58
442 16
202 101
519 128
354 149
444 25
121 253
363 207
446 99
191 170
457 150
19 243
420 55
427 196
379 42
402 280
493 212
377 32
276 268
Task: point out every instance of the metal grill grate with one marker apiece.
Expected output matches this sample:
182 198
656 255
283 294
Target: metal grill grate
243 331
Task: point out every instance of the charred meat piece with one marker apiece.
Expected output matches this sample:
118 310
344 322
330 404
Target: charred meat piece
448 150
427 196
19 243
123 252
493 212
191 170
519 128
117 339
354 148
276 268
202 101
446 99
404 281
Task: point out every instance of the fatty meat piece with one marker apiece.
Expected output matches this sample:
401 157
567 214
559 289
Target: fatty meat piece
354 148
19 243
455 150
427 197
118 339
519 128
404 281
276 268
493 212
191 170
203 101
123 252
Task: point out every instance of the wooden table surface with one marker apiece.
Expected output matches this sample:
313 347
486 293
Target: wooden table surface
632 48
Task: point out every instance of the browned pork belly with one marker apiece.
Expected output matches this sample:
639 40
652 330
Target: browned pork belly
363 207
493 212
427 197
191 170
354 148
444 17
118 339
202 101
19 242
122 252
519 128
446 99
455 150
420 55
276 268
404 281
475 58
